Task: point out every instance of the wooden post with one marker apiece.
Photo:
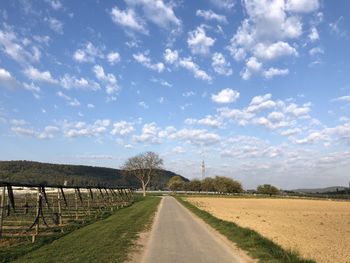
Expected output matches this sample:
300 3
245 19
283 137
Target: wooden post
2 204
76 205
59 209
38 204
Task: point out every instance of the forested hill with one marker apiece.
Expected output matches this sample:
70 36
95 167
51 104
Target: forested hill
49 174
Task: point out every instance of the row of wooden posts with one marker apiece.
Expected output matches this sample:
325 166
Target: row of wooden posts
90 200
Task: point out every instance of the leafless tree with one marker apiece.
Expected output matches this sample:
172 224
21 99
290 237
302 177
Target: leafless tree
143 166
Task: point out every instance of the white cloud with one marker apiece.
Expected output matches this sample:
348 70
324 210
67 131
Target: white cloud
91 106
55 24
148 134
143 105
209 120
113 58
20 128
109 79
198 73
161 82
225 96
88 53
220 65
70 82
82 129
171 56
210 15
199 42
188 94
128 19
18 49
158 12
252 66
55 4
274 51
302 6
70 101
342 99
313 35
122 128
316 50
196 136
224 4
6 79
37 75
272 72
145 60
178 150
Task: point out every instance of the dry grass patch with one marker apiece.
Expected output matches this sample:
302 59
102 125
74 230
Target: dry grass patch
317 229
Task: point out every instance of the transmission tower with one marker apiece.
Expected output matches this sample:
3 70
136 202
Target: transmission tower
203 169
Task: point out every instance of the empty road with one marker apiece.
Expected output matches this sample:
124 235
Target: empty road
179 237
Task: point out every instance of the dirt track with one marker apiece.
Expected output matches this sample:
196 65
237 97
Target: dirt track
178 236
317 229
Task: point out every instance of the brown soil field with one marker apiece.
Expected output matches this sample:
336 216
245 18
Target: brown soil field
317 229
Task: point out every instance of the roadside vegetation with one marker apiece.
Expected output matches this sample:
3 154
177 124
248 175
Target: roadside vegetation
249 240
218 184
108 240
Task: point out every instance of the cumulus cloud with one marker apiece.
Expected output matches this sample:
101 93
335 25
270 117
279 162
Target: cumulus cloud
122 128
220 65
82 129
274 50
225 96
171 56
128 20
55 24
302 6
70 101
88 53
72 82
6 79
109 79
209 120
37 75
196 136
17 48
149 134
145 60
268 31
198 73
342 98
158 12
210 15
199 42
272 72
113 58
224 4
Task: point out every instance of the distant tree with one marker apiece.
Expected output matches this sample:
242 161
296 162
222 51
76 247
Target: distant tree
207 184
224 184
143 166
194 185
176 183
267 189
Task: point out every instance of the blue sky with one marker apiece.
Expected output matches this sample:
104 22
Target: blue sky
259 89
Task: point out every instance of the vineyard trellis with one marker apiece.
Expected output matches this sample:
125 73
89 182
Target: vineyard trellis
28 210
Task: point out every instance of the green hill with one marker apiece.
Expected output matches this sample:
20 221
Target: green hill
29 172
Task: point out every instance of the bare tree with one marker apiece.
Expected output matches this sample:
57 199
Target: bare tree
143 167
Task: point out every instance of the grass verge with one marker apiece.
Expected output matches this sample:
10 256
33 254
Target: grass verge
108 240
249 240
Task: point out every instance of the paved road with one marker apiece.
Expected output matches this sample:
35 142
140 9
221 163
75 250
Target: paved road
178 237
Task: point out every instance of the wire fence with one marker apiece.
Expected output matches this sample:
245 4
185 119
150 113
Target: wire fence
33 210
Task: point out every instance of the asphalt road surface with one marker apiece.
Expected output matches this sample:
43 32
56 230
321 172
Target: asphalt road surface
179 237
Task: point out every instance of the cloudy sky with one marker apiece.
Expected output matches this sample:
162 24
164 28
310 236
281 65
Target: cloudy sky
259 89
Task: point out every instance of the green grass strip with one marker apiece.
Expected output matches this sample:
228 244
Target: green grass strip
108 240
249 240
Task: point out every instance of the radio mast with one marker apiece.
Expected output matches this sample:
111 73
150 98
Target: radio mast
203 170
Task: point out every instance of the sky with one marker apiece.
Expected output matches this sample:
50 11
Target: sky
258 89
